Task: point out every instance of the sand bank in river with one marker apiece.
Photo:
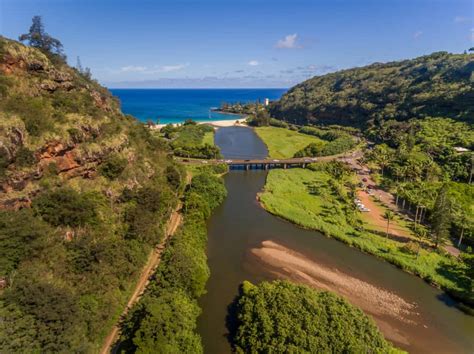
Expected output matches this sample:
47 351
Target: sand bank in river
397 318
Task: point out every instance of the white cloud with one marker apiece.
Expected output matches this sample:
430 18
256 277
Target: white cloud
461 19
133 68
289 42
417 34
253 63
170 68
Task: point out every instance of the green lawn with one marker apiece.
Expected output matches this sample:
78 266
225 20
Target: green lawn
283 143
208 138
306 198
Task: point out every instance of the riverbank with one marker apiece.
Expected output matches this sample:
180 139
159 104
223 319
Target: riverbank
397 318
214 123
240 225
167 313
312 200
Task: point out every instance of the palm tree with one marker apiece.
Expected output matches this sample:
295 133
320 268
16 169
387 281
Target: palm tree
388 215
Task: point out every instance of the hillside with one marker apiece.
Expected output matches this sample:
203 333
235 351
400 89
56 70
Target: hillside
85 192
440 84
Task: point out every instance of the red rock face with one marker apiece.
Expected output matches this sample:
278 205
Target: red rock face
10 64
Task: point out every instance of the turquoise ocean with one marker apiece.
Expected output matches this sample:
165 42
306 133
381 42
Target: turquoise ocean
177 105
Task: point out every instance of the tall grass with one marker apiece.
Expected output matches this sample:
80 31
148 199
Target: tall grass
306 198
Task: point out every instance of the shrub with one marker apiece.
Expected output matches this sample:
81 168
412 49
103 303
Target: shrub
21 234
36 113
278 123
411 247
113 166
66 207
24 157
210 187
173 176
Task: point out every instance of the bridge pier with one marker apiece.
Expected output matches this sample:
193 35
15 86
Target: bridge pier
285 166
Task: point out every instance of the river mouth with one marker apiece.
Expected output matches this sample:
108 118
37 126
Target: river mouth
247 243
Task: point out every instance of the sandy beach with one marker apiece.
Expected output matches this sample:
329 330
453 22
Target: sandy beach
214 123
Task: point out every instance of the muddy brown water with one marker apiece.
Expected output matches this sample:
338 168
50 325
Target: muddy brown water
239 231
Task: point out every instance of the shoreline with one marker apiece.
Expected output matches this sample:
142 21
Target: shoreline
396 317
461 303
214 123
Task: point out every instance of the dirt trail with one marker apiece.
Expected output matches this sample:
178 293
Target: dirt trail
153 261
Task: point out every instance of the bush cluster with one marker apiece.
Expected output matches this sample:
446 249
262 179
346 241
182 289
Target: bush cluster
283 317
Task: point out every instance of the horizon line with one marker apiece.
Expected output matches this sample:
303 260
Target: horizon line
197 88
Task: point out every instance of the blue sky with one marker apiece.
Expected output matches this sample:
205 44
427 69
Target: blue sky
244 43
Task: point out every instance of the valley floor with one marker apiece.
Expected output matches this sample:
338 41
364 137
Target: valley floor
309 199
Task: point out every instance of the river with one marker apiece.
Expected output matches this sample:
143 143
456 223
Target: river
247 243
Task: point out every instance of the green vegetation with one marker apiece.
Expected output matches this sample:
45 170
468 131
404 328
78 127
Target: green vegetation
322 200
113 166
38 38
433 85
66 207
284 143
416 159
86 194
423 149
164 321
191 140
280 317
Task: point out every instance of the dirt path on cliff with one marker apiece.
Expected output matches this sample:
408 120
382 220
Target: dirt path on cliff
152 263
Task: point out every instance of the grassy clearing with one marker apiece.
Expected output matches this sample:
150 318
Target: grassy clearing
208 138
284 143
306 198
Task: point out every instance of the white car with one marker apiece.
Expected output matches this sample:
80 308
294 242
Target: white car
228 161
276 160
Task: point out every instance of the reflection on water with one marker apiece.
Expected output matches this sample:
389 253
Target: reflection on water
239 227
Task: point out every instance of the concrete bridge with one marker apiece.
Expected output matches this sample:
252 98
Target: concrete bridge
248 164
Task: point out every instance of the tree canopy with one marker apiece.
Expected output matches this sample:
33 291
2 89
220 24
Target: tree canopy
278 317
37 37
433 85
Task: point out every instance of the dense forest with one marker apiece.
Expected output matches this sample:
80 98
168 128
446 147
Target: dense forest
85 192
434 85
280 317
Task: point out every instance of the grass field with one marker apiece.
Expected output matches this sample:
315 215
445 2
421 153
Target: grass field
306 198
283 143
208 138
